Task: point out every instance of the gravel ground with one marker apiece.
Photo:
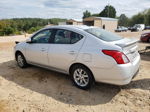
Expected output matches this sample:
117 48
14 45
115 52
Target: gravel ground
39 90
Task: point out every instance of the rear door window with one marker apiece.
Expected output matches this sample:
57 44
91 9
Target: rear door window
66 37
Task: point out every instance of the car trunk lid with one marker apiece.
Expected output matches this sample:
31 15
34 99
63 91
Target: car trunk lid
129 47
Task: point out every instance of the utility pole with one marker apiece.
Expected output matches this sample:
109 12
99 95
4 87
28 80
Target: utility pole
108 10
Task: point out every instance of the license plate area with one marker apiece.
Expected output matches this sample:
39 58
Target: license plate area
132 56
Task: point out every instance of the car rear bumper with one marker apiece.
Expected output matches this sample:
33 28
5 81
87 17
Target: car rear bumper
119 74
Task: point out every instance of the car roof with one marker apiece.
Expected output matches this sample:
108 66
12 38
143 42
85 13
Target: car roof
79 27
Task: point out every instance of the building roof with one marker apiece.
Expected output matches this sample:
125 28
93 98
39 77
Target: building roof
74 20
106 18
102 18
79 20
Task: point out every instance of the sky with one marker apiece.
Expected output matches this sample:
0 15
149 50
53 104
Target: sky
67 8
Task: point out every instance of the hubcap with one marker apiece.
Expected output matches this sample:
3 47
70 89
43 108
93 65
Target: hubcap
20 60
81 78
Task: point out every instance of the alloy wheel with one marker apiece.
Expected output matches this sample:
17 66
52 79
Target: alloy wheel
81 78
20 61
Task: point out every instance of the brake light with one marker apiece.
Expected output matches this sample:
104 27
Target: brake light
119 57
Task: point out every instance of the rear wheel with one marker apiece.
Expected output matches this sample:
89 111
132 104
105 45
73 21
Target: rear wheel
21 61
82 77
149 40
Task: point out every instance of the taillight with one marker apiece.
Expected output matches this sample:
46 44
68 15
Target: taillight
119 57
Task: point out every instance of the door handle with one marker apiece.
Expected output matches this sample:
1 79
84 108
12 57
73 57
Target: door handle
43 49
72 52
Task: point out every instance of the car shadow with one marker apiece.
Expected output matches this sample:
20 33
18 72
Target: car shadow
145 55
59 87
138 84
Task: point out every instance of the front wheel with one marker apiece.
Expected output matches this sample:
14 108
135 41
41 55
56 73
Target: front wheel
21 61
82 77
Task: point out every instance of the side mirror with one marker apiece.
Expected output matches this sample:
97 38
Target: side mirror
28 40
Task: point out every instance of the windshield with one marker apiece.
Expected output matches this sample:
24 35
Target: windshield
103 34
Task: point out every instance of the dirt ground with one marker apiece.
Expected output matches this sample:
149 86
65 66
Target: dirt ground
36 89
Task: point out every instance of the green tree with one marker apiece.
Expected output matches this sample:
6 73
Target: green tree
96 15
33 29
108 11
86 14
19 25
137 19
123 20
8 30
147 17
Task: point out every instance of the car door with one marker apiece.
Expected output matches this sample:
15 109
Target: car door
64 49
37 50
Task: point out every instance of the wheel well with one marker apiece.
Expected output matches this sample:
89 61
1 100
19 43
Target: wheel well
75 64
17 52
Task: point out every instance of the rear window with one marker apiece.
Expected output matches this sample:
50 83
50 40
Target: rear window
103 34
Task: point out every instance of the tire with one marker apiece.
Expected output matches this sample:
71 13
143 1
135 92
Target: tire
149 40
21 61
82 77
